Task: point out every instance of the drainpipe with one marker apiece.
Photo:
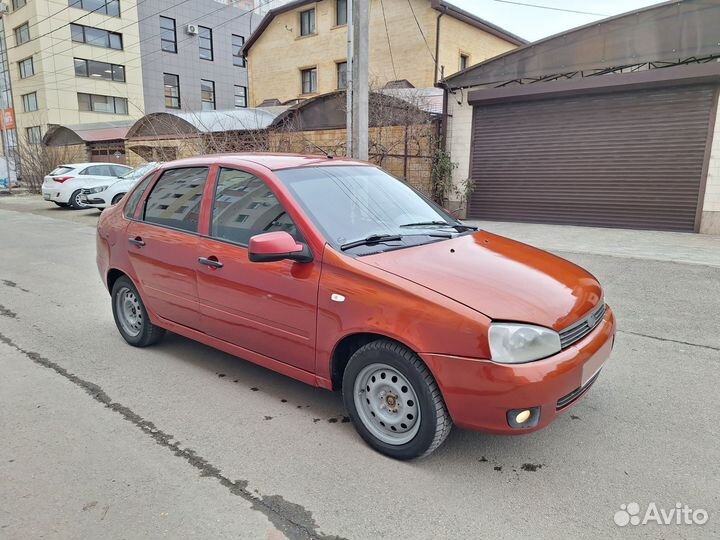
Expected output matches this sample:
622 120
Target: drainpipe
437 42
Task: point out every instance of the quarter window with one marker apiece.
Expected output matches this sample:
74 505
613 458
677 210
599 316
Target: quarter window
22 34
309 80
245 206
175 200
172 90
205 40
207 95
168 36
30 102
307 22
237 45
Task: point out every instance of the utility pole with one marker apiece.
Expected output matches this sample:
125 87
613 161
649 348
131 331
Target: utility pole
349 82
360 78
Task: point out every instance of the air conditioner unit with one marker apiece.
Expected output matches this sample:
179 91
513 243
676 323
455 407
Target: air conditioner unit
4 8
192 29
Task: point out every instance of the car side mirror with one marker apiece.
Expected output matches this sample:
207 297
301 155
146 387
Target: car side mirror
277 246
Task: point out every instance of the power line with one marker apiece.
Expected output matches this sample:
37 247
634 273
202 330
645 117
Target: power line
551 8
421 31
387 34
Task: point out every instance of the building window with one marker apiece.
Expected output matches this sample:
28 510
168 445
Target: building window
17 4
237 44
22 34
240 96
342 75
30 102
106 7
99 70
172 90
464 61
341 7
206 43
168 35
27 69
102 104
96 37
309 80
34 135
207 95
307 22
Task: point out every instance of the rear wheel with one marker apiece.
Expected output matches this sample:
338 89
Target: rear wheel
131 317
394 401
75 201
116 199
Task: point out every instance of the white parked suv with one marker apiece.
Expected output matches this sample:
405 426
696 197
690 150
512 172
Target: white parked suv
103 194
63 186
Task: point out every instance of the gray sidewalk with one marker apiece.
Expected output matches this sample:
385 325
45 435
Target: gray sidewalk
656 245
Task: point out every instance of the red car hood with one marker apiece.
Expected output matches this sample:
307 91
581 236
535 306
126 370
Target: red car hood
501 278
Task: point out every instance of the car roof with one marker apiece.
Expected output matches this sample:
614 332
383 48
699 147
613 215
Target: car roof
78 165
272 161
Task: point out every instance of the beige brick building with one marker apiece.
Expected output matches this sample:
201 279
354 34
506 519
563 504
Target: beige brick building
300 49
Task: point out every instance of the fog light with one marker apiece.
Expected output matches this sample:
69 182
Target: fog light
523 418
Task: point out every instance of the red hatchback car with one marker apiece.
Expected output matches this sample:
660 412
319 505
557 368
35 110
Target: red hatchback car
335 273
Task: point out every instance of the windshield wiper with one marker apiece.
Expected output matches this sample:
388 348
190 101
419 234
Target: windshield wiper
372 239
457 226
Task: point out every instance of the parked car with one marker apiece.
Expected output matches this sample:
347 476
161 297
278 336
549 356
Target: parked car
63 185
335 273
103 194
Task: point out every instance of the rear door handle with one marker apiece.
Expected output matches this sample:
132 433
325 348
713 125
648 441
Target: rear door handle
211 261
137 241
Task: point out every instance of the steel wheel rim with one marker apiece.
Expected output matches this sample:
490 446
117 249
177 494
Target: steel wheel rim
79 201
130 313
387 404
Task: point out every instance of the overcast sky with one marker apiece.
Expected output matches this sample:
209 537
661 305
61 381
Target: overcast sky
533 23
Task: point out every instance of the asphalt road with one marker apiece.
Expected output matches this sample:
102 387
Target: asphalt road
101 440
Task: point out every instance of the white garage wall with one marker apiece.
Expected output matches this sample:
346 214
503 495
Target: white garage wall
458 140
710 223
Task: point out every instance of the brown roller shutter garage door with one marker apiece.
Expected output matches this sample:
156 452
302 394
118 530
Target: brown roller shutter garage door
629 159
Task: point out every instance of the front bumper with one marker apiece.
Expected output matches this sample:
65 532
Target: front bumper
479 392
95 200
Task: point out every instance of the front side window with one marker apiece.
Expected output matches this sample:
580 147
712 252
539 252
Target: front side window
106 7
307 22
30 102
349 203
205 40
26 67
341 75
172 90
22 34
34 135
168 36
240 96
207 95
175 200
309 80
341 7
245 206
237 45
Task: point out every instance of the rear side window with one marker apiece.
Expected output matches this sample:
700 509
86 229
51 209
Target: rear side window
97 170
60 170
245 206
175 199
134 199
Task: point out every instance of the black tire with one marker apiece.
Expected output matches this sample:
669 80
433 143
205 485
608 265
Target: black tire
74 201
148 333
435 422
61 204
117 198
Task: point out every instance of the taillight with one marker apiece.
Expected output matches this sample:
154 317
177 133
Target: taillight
61 179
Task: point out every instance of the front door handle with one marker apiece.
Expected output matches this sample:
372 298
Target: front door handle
137 241
211 261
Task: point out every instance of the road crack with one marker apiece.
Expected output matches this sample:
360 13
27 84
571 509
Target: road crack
292 519
710 347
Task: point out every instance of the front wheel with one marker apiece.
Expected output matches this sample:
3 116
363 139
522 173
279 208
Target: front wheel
76 201
394 401
117 198
131 316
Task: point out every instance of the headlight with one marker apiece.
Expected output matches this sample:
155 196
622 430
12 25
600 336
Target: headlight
97 189
512 343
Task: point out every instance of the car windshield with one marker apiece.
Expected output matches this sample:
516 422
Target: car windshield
364 207
140 171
